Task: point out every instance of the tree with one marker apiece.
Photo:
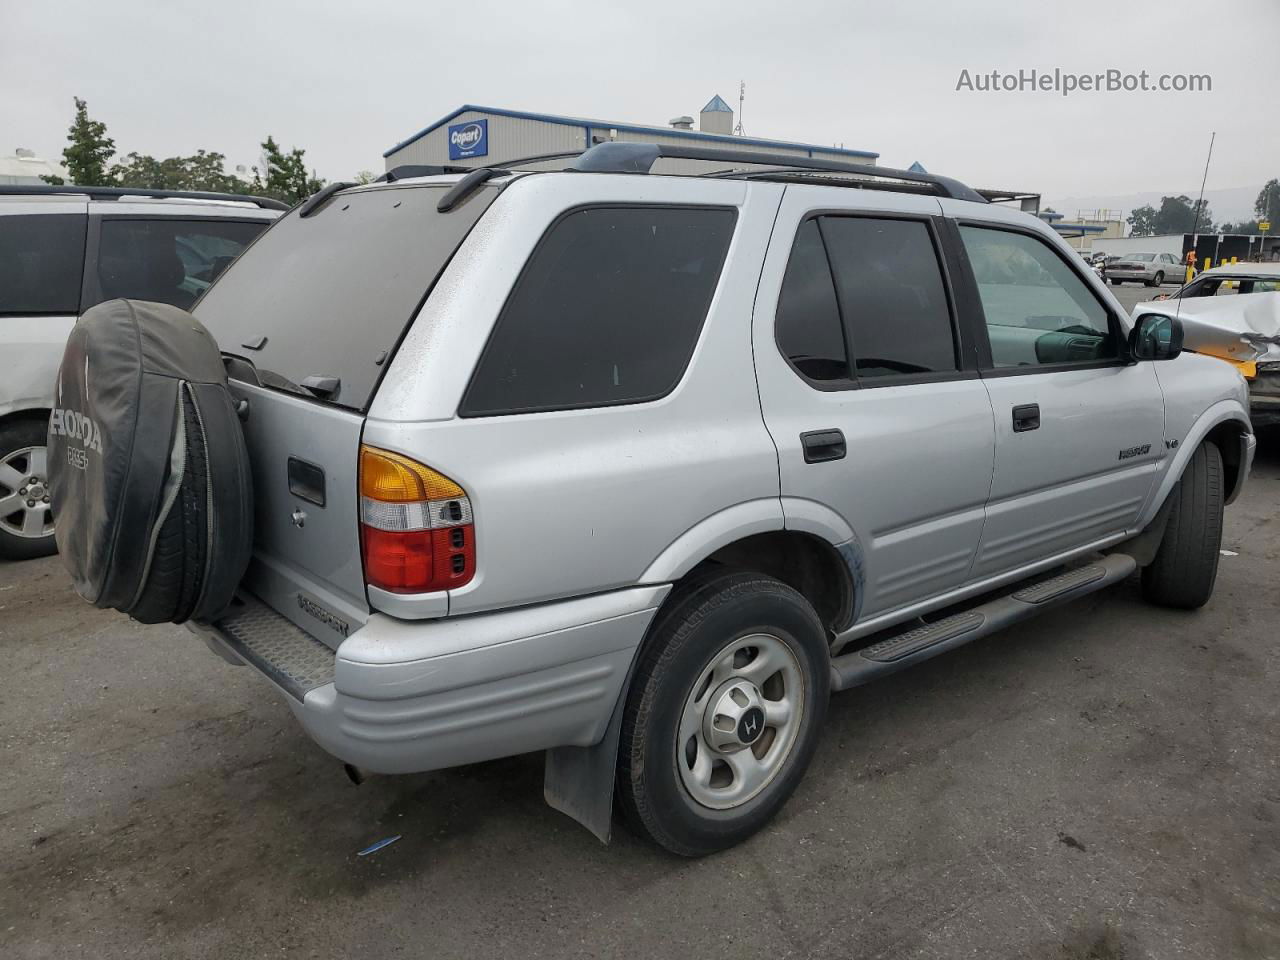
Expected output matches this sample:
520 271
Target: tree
286 174
1268 203
1142 221
90 151
365 176
203 170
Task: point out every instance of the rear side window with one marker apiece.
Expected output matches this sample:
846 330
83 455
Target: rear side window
808 320
169 261
607 311
41 261
892 296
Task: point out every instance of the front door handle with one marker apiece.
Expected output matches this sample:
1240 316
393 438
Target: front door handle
822 445
1026 417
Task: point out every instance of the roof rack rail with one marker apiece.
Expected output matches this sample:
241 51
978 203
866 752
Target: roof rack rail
627 157
120 193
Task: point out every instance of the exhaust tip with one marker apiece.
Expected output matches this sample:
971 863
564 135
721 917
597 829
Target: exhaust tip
354 774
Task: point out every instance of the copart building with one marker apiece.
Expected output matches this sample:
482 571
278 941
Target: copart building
474 136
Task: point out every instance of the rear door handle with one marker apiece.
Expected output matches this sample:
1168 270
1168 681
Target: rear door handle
1026 417
822 445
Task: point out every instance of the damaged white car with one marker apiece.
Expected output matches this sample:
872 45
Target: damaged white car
1233 312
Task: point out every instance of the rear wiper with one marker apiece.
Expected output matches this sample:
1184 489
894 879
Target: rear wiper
322 385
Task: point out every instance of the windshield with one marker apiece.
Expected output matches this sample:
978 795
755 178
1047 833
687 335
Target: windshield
330 295
1141 257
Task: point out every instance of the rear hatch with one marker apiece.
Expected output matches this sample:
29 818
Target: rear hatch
308 318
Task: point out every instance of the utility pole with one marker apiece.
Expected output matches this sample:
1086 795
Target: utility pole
742 95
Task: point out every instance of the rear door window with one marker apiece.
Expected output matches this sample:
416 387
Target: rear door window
41 262
889 282
331 294
167 260
607 310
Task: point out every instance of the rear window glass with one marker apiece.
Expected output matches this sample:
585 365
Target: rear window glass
607 311
41 259
169 261
330 295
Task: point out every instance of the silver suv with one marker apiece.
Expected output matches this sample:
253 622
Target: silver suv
636 469
62 250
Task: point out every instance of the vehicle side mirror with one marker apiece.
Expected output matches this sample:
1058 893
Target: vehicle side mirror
1156 336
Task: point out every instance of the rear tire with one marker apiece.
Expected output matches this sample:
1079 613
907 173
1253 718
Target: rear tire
1186 565
1158 280
177 565
25 515
724 713
1116 283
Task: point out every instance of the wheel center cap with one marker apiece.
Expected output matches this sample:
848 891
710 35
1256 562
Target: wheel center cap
734 717
36 491
751 725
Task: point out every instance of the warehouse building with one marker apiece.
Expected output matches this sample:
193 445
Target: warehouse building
474 136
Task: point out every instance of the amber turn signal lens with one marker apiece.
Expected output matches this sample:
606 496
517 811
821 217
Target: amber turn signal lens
391 478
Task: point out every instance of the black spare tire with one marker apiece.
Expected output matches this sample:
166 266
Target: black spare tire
149 472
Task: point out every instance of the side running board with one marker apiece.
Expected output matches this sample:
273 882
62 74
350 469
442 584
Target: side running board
920 643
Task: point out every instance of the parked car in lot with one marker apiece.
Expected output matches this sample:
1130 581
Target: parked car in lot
1233 312
1152 269
63 249
638 469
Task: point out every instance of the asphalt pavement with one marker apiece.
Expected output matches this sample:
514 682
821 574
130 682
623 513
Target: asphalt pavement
1102 783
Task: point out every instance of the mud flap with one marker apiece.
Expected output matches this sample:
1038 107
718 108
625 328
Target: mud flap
578 781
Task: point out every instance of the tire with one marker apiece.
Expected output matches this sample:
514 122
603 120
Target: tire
1116 283
23 454
1159 278
697 660
1186 564
177 565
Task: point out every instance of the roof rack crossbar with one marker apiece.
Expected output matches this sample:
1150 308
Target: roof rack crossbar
312 203
121 193
408 170
628 157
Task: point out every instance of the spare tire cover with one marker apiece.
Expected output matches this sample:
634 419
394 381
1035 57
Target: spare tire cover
134 375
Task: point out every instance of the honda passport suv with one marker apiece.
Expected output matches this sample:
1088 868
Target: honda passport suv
62 250
637 469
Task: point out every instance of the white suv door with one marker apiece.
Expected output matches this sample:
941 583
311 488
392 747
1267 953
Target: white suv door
872 397
1079 430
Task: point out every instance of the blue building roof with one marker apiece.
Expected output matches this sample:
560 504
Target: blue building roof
716 105
917 167
629 128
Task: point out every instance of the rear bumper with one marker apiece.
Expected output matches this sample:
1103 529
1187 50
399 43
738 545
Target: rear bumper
409 696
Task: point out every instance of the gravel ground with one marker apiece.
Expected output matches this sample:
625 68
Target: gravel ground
1102 783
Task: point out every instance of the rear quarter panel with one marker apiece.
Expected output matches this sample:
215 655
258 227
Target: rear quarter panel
575 502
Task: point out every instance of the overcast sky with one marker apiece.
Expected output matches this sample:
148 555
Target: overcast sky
345 81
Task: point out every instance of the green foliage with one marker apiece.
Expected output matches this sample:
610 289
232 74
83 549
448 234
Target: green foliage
90 152
1267 206
286 174
1142 221
88 161
1176 215
365 176
202 170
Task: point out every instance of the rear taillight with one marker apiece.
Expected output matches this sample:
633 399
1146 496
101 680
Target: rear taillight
415 525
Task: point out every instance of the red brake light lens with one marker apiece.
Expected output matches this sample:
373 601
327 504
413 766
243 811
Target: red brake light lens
417 531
